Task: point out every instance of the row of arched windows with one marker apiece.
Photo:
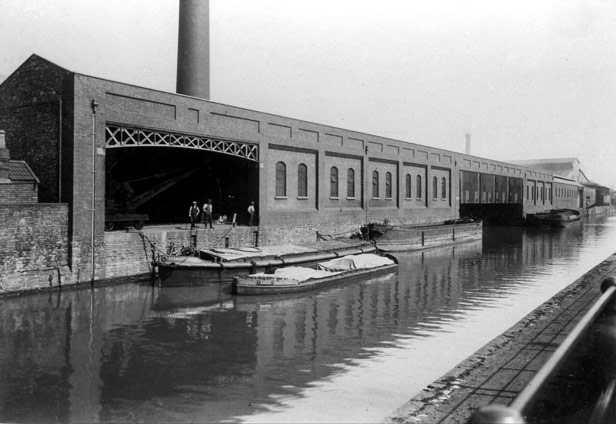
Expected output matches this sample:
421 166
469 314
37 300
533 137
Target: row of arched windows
302 181
376 185
334 183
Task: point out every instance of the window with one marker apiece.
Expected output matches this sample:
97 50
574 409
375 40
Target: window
434 187
302 180
281 179
419 187
388 185
375 184
333 182
350 182
409 192
444 188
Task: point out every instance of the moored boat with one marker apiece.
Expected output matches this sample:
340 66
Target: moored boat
554 218
390 238
220 265
298 279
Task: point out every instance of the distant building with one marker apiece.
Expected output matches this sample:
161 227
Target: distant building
565 167
569 169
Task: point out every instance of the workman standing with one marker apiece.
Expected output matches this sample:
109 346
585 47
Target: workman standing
208 208
251 212
193 214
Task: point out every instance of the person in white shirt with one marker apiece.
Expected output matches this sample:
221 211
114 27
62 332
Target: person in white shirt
251 212
208 208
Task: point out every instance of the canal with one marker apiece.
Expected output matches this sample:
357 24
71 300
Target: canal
354 353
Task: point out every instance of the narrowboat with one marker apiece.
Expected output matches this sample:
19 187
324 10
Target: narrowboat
554 218
220 265
395 238
299 279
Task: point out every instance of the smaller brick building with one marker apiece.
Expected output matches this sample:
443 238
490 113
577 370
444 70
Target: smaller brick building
18 184
33 235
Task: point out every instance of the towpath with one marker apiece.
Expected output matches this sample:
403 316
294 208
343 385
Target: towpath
501 369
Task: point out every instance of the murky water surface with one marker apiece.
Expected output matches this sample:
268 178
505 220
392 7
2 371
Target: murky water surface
137 353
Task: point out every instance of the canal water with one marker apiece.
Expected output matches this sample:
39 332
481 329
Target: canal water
353 353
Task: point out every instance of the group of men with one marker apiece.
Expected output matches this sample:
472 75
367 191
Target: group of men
208 208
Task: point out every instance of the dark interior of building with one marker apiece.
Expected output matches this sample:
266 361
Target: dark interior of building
162 182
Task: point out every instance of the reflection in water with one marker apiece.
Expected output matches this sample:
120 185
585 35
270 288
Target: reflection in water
135 353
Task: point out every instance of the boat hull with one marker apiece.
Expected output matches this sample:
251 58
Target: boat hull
190 271
557 218
409 238
246 286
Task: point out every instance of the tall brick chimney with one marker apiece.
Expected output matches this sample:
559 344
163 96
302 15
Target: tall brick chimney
193 73
4 159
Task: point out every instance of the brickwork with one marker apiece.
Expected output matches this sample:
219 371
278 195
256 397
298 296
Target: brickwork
130 253
34 246
42 103
30 113
18 193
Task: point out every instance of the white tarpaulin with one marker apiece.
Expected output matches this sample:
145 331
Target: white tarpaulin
363 261
295 273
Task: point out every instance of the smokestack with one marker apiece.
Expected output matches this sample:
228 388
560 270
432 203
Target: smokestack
468 144
193 75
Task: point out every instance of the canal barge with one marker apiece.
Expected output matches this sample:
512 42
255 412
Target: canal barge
300 279
390 238
554 218
220 265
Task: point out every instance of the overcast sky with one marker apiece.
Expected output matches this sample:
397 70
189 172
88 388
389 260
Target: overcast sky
527 79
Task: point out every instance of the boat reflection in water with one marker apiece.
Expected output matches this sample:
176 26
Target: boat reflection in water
136 353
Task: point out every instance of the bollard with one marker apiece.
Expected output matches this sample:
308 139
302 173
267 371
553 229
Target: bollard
226 241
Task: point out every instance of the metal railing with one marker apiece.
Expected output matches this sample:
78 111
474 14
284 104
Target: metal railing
514 413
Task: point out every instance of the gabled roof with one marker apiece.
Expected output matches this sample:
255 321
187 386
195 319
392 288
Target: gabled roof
19 171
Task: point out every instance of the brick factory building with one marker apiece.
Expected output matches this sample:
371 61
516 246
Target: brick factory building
105 149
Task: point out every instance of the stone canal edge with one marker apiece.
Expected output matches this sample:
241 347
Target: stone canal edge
497 372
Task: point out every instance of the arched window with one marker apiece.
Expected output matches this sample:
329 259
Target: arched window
409 192
281 179
375 184
418 188
444 188
388 185
333 180
434 187
302 180
350 182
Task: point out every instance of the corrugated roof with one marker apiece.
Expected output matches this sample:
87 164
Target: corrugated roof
20 171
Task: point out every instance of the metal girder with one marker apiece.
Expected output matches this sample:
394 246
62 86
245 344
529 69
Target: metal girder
121 136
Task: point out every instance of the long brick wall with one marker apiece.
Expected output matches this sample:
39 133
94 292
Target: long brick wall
34 246
130 254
